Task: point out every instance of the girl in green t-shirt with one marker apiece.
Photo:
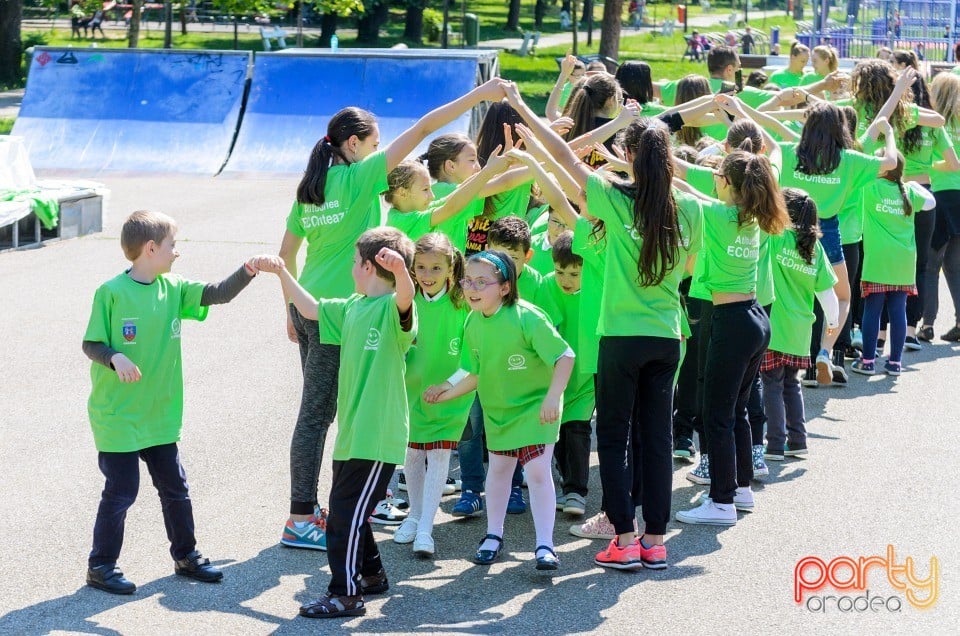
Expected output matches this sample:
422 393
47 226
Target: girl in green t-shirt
793 74
337 201
434 356
889 256
519 366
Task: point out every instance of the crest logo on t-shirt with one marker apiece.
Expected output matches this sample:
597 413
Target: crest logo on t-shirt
129 331
454 348
373 340
516 362
175 328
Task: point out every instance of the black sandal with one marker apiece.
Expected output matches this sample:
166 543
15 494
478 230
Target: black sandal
375 583
486 557
549 561
333 606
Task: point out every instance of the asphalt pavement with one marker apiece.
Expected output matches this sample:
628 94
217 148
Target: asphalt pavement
880 473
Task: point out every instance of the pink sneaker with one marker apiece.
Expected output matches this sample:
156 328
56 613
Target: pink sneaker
628 557
653 557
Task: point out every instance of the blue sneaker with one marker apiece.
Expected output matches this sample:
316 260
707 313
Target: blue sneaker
863 368
516 505
469 505
892 368
311 534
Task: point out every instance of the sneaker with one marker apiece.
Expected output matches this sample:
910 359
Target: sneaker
516 505
596 527
423 545
627 557
925 334
759 466
683 448
386 514
891 368
773 455
795 450
839 373
701 474
856 338
742 499
953 335
452 486
310 534
469 505
810 378
575 505
863 368
912 344
110 579
396 502
401 480
561 500
824 368
709 513
653 557
851 353
407 531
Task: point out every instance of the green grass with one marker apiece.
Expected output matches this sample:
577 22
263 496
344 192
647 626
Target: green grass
6 125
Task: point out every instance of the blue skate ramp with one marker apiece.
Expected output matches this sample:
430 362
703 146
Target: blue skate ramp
294 95
95 110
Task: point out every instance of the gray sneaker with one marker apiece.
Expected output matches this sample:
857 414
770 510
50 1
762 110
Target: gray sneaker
575 505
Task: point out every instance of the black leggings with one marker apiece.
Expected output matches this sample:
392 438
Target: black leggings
853 255
740 335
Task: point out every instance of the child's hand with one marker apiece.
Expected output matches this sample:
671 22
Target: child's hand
493 90
520 156
127 371
731 104
391 261
567 65
266 263
560 125
512 93
434 393
530 141
629 112
883 124
550 410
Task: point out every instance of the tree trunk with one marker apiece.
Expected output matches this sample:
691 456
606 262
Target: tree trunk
183 19
135 23
539 10
11 13
513 16
236 36
413 23
368 26
168 24
328 27
610 31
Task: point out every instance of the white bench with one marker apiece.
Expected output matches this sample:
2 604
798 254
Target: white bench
274 33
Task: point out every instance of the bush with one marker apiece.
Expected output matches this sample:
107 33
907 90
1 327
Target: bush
33 38
432 24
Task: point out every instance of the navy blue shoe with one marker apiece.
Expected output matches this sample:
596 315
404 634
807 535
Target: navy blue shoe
469 505
516 505
486 557
547 561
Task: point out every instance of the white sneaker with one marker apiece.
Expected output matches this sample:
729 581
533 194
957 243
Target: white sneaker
710 513
387 514
742 499
407 531
452 486
423 545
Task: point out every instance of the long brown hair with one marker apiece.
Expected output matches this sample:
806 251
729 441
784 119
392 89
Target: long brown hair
823 140
589 101
872 82
755 191
688 89
346 123
803 218
896 175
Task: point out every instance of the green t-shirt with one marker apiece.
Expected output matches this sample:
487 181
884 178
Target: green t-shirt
565 94
542 259
578 398
851 219
751 96
372 414
811 78
785 78
533 289
456 226
649 109
855 171
933 142
594 257
628 309
701 180
791 316
513 354
728 262
514 202
413 224
946 180
889 244
143 323
432 359
352 207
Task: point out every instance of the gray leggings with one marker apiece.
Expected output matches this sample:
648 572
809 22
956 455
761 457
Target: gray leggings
947 258
318 407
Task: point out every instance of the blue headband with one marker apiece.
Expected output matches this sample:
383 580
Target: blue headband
496 261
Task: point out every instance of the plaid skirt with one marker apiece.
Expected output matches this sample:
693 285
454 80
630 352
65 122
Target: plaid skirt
429 446
776 359
524 455
879 288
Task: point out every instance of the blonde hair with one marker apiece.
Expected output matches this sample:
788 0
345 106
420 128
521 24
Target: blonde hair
945 95
829 54
144 226
402 177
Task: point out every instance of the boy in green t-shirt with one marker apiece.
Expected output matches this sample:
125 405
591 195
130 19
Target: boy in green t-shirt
136 405
375 328
572 451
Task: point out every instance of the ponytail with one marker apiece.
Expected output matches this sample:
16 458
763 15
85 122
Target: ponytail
756 192
589 101
345 124
896 175
803 217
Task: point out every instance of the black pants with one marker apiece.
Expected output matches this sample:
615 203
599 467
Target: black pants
703 347
741 333
122 471
358 484
636 371
686 403
573 456
852 256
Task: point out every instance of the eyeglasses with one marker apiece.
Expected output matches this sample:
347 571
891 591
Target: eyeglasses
476 285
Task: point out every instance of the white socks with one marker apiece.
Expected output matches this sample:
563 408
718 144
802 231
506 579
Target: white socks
426 473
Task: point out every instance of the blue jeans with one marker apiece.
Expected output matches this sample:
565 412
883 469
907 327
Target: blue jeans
122 471
472 474
830 239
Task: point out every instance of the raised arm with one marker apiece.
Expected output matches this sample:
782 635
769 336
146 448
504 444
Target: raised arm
469 189
394 263
600 134
440 117
550 189
740 110
567 183
305 303
553 102
889 147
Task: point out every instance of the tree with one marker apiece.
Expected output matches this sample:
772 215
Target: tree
11 13
134 33
330 11
237 8
610 30
375 15
539 10
413 21
513 16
